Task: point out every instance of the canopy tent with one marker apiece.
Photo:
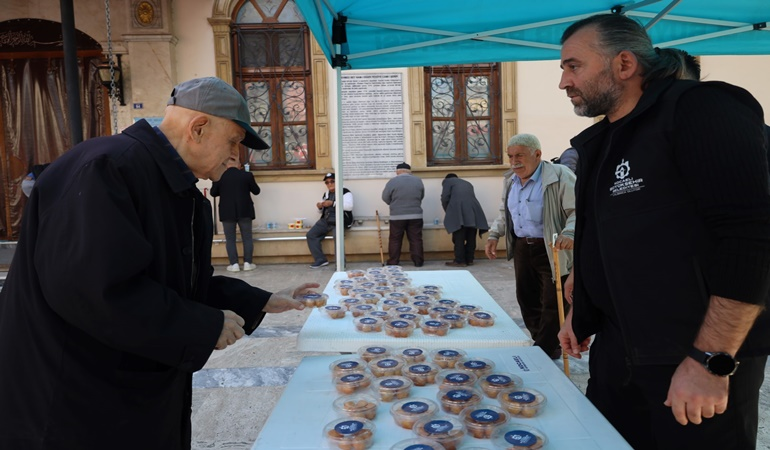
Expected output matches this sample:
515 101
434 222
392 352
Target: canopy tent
366 34
406 33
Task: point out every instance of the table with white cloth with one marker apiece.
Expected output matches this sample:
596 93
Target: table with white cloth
568 419
321 333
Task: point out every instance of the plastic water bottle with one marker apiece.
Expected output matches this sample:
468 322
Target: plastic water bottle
246 167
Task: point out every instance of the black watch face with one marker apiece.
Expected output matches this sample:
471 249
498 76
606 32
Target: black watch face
721 364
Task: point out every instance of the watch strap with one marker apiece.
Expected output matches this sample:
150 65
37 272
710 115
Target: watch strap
716 363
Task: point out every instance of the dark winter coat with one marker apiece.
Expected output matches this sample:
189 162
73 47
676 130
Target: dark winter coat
235 188
110 304
461 207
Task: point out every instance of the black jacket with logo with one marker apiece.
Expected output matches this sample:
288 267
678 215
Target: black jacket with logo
682 211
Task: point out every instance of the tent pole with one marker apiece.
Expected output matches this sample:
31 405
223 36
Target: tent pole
71 76
339 243
663 13
332 48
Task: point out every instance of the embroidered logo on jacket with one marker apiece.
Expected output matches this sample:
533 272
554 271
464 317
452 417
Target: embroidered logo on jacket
625 184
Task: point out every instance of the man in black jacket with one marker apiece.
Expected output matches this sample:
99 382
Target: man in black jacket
672 245
110 304
236 208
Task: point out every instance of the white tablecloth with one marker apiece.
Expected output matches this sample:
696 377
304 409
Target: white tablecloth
568 419
320 333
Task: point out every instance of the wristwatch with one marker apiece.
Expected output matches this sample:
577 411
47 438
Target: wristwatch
717 363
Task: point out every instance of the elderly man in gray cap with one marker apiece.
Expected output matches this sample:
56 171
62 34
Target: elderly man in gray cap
110 304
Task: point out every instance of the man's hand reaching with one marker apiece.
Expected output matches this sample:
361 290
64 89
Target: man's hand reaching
232 330
285 299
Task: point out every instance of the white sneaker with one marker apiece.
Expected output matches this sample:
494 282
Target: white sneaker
249 266
234 268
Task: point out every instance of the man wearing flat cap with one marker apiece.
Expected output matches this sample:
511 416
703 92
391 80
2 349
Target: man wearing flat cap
110 304
404 194
328 220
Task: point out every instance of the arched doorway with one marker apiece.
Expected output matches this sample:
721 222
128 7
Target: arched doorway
33 117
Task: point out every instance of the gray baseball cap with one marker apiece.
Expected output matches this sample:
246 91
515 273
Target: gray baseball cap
213 96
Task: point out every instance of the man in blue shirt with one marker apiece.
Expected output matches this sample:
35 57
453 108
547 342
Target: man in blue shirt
538 202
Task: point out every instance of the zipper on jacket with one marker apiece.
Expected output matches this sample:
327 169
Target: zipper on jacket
621 322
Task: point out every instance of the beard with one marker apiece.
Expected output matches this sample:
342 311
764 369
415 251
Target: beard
600 96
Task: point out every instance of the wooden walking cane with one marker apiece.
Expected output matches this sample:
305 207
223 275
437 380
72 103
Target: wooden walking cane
559 298
379 236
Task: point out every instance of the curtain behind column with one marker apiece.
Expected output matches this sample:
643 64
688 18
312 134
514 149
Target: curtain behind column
35 124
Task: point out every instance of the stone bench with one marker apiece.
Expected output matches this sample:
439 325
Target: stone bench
283 245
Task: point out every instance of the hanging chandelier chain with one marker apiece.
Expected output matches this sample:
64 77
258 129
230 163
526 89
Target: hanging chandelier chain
110 59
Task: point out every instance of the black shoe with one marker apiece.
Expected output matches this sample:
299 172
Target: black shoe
455 264
469 263
418 264
319 265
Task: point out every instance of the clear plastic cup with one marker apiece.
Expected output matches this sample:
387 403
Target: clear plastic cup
455 378
349 302
335 311
345 366
448 302
355 273
496 382
446 358
362 309
446 430
522 402
390 388
516 436
369 352
384 315
422 373
313 299
455 320
481 319
363 406
368 324
384 366
423 305
435 327
416 318
399 328
400 296
370 298
465 308
386 304
482 420
353 383
349 434
408 411
412 354
455 399
479 366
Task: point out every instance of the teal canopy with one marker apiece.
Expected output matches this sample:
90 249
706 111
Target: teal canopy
405 33
378 34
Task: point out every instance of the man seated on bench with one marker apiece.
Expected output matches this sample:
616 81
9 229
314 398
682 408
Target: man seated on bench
328 220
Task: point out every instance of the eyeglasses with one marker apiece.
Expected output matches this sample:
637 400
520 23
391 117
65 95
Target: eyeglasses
329 182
